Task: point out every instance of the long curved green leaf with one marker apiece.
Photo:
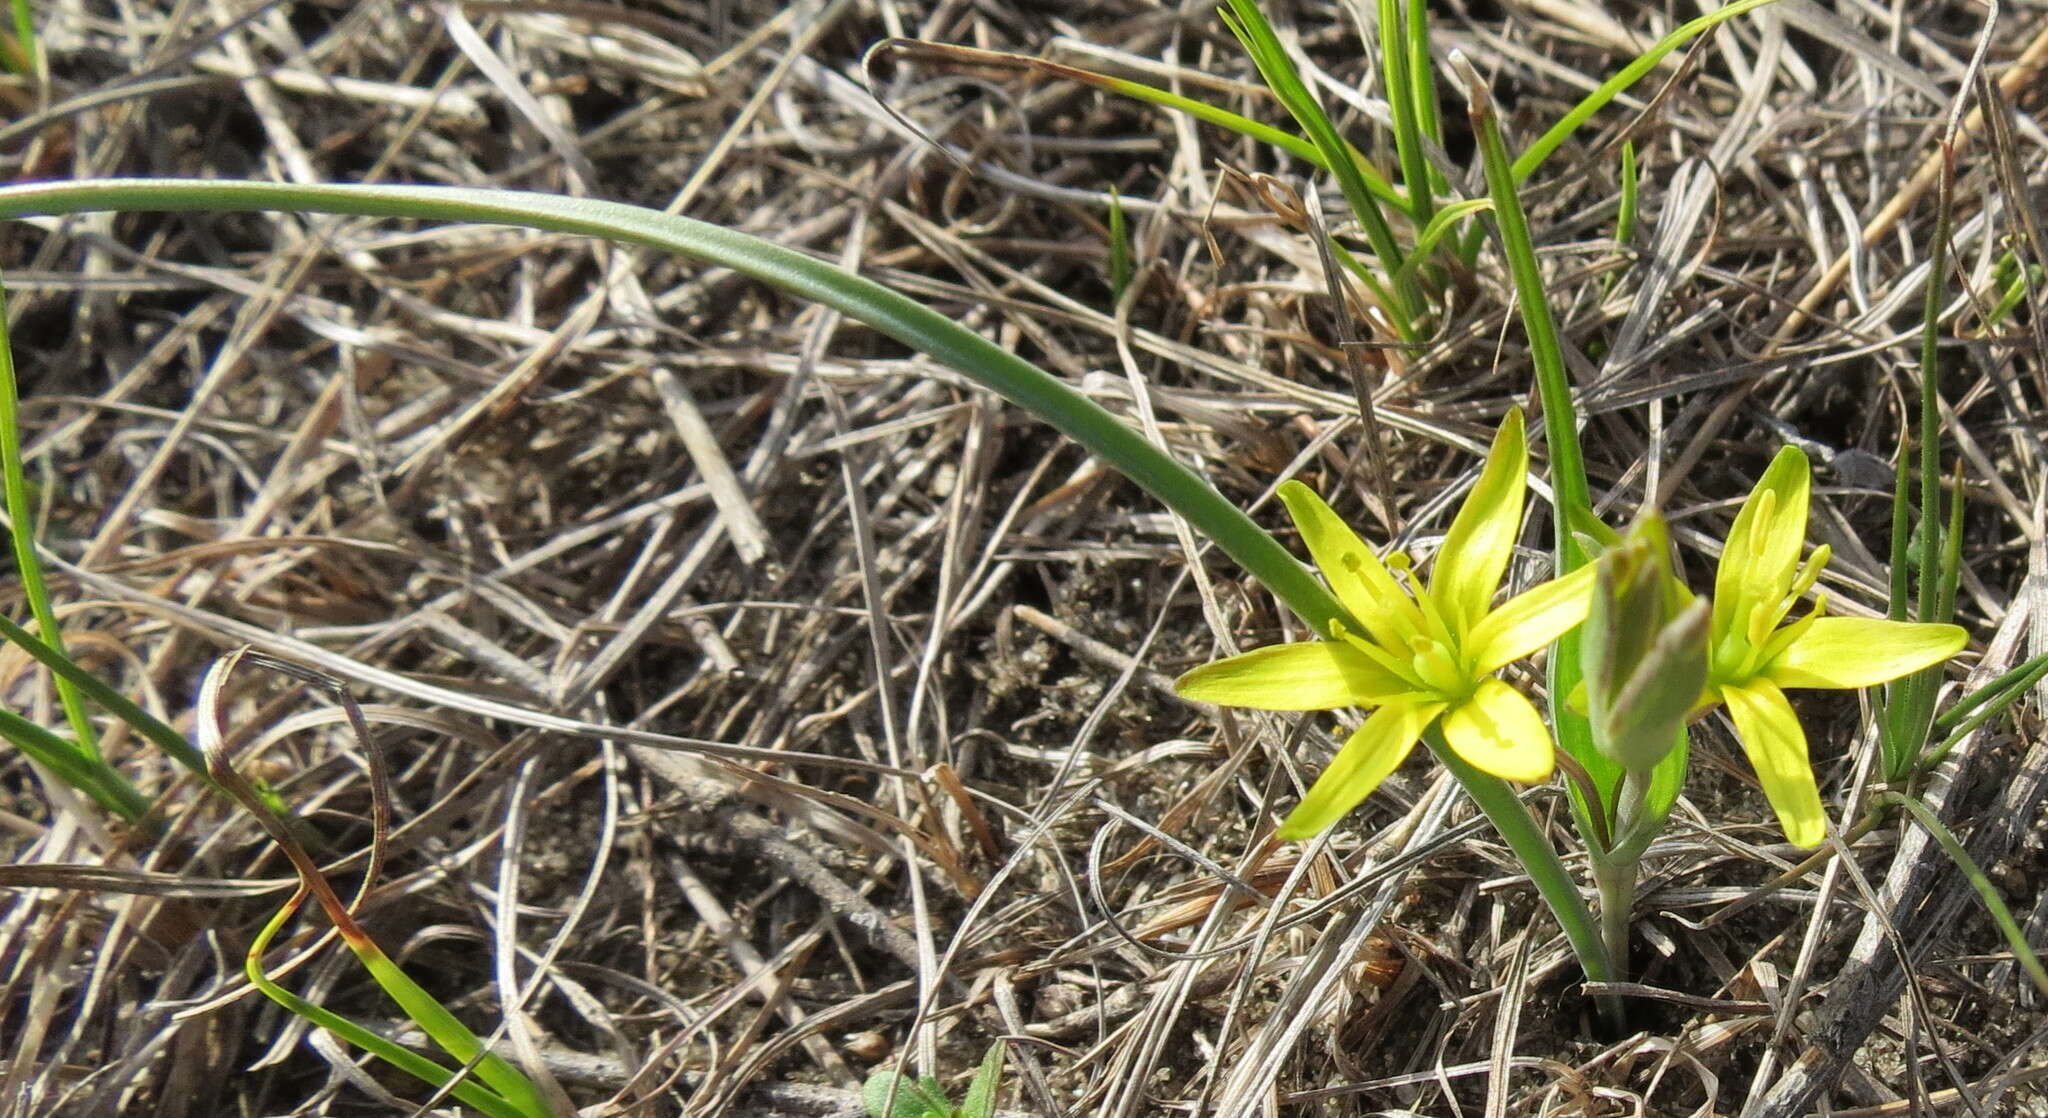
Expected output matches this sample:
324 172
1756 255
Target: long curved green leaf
917 326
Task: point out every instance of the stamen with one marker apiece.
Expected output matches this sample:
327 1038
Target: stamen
1402 670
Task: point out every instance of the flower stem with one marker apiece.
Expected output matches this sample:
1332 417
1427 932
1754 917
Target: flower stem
1553 882
1617 869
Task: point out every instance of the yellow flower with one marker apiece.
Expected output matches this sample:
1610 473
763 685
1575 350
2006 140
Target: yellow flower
1427 654
1752 659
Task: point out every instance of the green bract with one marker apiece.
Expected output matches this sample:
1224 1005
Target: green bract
1752 659
1426 654
1643 651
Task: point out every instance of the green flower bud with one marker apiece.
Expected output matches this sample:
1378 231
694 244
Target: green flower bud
1643 650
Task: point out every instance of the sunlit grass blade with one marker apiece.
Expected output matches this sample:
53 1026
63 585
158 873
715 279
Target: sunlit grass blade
25 52
504 1091
96 780
1981 706
947 53
469 1091
21 518
1533 157
113 702
1625 214
1935 560
2009 686
1625 217
1249 24
1553 882
1422 81
1441 225
1994 904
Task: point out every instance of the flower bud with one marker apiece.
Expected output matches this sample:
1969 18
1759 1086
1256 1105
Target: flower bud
1643 650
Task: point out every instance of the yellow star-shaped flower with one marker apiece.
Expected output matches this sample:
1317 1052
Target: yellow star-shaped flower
1752 659
1426 655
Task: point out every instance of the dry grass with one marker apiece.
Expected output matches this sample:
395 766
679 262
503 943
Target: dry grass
905 774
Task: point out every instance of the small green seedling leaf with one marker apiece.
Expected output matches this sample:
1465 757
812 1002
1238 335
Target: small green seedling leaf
913 1098
1120 268
981 1094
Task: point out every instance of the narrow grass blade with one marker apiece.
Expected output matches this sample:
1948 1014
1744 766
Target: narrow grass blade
1440 226
1395 57
1993 903
96 780
22 519
950 54
1627 76
1935 560
1982 706
1120 269
468 1091
2002 691
1249 24
504 1082
120 706
26 57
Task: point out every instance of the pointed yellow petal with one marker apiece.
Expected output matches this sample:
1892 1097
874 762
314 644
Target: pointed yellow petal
1776 745
1373 751
1482 537
1848 652
1358 578
1762 552
1499 732
1530 620
1843 652
1312 675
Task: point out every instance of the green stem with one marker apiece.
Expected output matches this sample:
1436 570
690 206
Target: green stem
1553 882
1617 870
1617 883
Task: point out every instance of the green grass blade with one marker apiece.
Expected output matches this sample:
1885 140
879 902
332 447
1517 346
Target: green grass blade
2017 678
863 300
115 703
1981 706
1625 218
27 59
1249 24
1395 57
469 1091
1440 226
1422 79
1120 269
1993 903
22 517
96 780
1627 76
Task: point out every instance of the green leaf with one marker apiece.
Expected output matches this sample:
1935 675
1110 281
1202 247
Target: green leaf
981 1094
